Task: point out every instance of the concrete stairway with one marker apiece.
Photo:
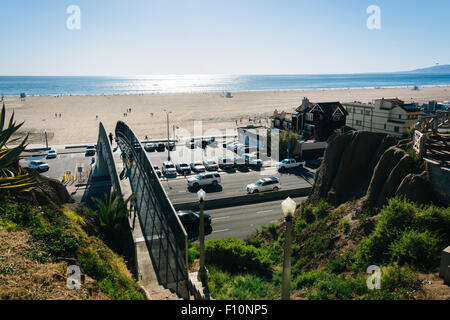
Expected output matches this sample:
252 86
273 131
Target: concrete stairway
438 148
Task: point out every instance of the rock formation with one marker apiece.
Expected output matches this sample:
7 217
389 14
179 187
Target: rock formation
371 167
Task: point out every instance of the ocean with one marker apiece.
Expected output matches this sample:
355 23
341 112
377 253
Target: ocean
82 85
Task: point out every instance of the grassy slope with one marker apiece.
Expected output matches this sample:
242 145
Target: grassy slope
332 248
37 245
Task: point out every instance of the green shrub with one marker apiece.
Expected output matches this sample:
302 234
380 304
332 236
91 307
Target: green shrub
307 214
235 256
397 283
224 285
322 209
337 266
321 285
405 233
415 248
345 225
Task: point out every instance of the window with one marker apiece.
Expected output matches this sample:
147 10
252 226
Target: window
384 126
396 129
309 116
399 116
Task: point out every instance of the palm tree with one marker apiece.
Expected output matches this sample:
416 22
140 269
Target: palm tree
111 215
11 175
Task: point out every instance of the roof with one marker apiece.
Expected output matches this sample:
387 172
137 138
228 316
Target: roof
410 107
395 101
329 107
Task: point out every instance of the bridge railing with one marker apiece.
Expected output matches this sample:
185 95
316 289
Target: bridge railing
104 150
164 234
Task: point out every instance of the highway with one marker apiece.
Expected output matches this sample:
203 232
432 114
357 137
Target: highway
233 184
242 221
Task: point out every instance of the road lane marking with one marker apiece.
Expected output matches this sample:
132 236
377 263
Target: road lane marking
263 211
219 218
221 230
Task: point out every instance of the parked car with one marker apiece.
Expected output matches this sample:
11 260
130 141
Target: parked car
252 160
212 142
197 166
150 147
90 151
183 168
170 146
265 184
239 162
51 154
225 163
168 169
210 165
191 222
160 146
289 164
204 179
157 171
190 143
316 162
40 166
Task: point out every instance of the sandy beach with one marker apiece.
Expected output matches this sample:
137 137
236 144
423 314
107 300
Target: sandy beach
80 115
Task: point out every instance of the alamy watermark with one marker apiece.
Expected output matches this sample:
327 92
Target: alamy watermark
73 22
374 281
374 20
74 279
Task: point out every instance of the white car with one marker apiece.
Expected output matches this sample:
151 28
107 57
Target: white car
51 154
289 164
225 163
40 166
168 169
265 184
210 165
205 178
197 166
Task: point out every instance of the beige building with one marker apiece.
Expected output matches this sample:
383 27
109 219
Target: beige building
390 116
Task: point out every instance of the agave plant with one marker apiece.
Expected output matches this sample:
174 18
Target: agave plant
11 175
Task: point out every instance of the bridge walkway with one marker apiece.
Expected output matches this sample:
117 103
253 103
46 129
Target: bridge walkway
144 267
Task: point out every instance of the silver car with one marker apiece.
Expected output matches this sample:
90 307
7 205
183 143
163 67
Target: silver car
265 184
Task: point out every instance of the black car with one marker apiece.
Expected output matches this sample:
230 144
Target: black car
150 147
160 146
158 171
170 146
191 222
90 151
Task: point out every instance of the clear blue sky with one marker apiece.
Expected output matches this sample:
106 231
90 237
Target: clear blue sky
130 37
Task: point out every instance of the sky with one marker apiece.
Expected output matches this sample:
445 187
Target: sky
145 37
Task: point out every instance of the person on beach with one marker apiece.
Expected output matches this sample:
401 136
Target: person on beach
110 138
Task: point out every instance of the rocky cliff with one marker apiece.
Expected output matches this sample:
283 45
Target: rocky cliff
372 167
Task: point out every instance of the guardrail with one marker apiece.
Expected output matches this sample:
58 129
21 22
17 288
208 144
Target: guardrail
104 150
163 232
432 123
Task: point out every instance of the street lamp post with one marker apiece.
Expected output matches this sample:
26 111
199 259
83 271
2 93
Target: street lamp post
202 271
288 207
168 135
46 139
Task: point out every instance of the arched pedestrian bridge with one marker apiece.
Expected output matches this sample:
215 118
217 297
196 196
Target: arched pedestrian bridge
159 237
